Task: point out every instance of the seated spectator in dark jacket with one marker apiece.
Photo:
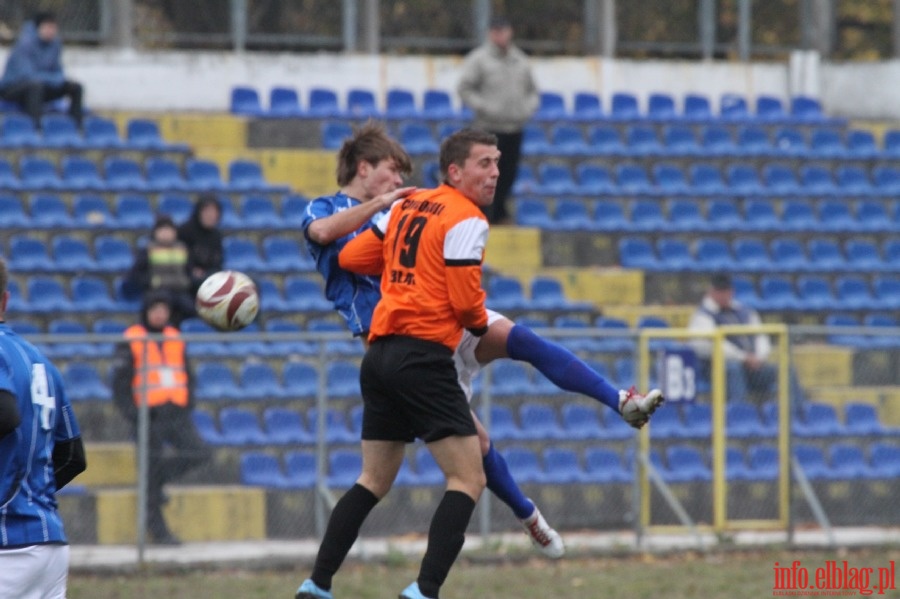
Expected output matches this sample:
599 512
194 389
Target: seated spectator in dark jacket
34 73
201 234
162 266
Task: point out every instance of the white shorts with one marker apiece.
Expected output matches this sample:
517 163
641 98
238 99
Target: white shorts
467 367
34 572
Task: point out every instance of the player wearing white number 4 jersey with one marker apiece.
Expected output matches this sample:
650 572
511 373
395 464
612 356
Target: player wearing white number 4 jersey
40 451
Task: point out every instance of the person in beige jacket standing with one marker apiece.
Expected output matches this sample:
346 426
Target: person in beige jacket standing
498 85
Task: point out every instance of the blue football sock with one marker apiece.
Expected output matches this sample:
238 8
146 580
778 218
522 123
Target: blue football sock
562 367
501 484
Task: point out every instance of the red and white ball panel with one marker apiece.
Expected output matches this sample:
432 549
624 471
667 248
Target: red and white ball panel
227 300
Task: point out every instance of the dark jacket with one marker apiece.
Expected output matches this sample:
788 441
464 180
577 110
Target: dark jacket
32 59
204 245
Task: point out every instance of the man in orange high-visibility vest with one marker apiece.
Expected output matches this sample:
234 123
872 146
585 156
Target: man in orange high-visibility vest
157 373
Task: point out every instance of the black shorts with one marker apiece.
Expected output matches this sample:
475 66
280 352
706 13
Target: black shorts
410 389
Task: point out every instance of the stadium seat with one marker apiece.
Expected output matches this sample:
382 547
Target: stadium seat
538 422
284 254
736 468
760 216
245 101
293 209
864 255
206 427
259 212
547 294
587 107
718 142
593 179
284 103
885 460
666 424
533 213
763 462
203 175
342 379
815 293
697 109
670 180
754 142
66 349
12 212
49 211
743 420
524 464
641 142
259 381
503 425
818 420
790 143
322 104
881 323
38 174
624 107
551 107
214 381
92 211
647 216
571 215
686 464
400 104
84 383
505 293
887 291
242 254
556 179
418 138
581 422
679 140
604 465
18 131
259 469
853 181
300 380
361 104
807 109
723 215
72 254
300 469
562 466
567 140
535 141
686 216
144 134
675 255
302 294
510 379
817 181
609 216
334 133
240 427
713 254
247 176
28 254
101 134
60 131
862 420
612 342
798 215
751 255
812 461
632 179
853 292
872 216
769 110
826 144
437 105
697 421
661 108
123 174
91 294
780 180
336 427
789 254
605 140
733 108
777 293
638 252
849 463
743 180
344 347
861 145
825 254
706 180
164 174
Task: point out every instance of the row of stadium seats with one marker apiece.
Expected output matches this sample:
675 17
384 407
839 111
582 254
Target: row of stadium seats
817 293
705 179
17 131
783 254
137 211
721 215
284 102
593 465
37 173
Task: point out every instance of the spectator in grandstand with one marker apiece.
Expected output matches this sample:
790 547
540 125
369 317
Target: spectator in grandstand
40 452
34 73
497 84
201 234
162 266
747 367
468 164
158 374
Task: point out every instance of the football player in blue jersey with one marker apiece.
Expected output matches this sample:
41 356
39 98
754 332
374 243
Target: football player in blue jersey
40 452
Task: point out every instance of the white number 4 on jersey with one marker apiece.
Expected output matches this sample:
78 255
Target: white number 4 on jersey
40 395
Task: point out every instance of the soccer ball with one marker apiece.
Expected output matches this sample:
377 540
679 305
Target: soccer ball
227 300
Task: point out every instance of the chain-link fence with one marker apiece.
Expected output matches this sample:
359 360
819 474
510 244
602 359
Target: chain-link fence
281 413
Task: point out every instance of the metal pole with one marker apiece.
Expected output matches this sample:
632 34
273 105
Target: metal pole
806 24
143 465
350 26
481 17
484 512
372 27
239 24
117 22
323 493
707 22
745 41
608 30
590 16
895 29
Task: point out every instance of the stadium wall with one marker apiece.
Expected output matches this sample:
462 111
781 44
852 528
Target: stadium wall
202 81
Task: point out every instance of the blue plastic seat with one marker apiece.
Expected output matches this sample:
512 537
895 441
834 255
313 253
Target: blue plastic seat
743 180
812 461
735 466
323 103
760 215
551 107
865 255
144 134
571 215
81 174
49 211
697 419
437 105
686 464
400 104
815 293
562 466
743 420
334 133
642 142
706 179
754 141
84 383
505 293
556 179
113 254
283 254
861 145
679 140
717 141
18 131
535 141
259 381
503 425
300 380
853 181
259 212
604 465
336 428
177 206
751 254
891 143
523 464
605 140
825 254
72 254
247 176
164 174
817 181
593 179
624 107
240 427
638 252
242 254
9 180
300 469
510 379
342 379
123 174
567 140
686 215
91 211
101 133
361 104
207 427
284 102
777 293
807 109
827 144
581 421
675 254
862 420
547 294
245 100
849 463
293 209
418 138
203 175
769 109
632 179
798 215
12 212
791 143
666 423
853 292
587 107
733 108
647 215
872 216
661 108
780 180
670 180
885 460
259 469
29 254
304 294
713 254
38 174
789 254
608 216
763 462
723 215
539 422
91 294
697 109
60 131
533 213
215 381
887 290
818 420
68 350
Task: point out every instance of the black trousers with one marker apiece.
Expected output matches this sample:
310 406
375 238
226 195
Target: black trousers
32 95
175 448
510 146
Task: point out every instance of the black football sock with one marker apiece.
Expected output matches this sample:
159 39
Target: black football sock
445 540
349 513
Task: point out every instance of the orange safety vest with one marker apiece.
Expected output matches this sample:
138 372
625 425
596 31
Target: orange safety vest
166 375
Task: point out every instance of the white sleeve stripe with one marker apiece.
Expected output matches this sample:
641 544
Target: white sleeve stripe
466 240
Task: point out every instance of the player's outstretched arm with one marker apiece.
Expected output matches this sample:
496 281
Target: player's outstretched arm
363 254
327 229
